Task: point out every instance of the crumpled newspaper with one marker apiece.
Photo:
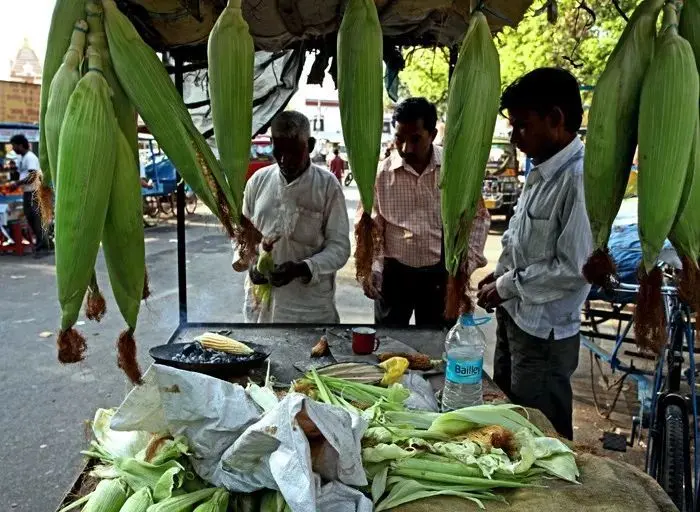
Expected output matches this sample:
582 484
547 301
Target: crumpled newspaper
236 446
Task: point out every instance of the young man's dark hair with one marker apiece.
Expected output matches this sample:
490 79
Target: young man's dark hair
544 90
20 140
336 152
413 109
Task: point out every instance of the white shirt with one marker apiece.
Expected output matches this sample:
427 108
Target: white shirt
26 164
311 219
547 242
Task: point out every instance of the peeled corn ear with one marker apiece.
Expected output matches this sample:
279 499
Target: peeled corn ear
215 341
612 126
667 117
472 108
65 14
150 89
86 161
231 56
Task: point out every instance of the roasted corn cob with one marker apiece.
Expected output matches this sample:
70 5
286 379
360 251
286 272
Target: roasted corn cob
65 14
151 91
472 108
416 361
612 132
361 112
214 341
86 161
230 55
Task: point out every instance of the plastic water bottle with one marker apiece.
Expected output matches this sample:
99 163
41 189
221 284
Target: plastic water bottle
464 352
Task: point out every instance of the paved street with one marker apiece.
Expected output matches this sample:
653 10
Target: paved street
44 405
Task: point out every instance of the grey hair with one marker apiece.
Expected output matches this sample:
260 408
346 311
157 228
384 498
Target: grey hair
290 125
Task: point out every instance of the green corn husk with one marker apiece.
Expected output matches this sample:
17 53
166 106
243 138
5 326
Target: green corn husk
667 117
125 111
360 76
471 117
62 86
150 89
65 14
184 502
125 251
689 26
612 132
139 501
231 55
86 161
217 503
108 496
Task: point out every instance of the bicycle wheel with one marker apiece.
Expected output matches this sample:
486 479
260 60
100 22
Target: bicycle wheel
673 456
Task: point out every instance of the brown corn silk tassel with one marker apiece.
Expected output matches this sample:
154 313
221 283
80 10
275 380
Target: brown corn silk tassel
649 316
247 238
44 197
366 245
71 346
457 299
95 304
126 356
600 269
146 286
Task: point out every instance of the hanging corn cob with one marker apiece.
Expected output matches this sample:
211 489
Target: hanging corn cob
231 55
361 112
124 250
86 159
612 133
62 86
125 111
472 108
65 14
689 27
668 116
685 234
150 89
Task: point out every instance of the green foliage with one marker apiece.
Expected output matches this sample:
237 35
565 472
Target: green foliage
426 74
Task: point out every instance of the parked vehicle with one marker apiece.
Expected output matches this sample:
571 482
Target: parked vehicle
260 154
502 185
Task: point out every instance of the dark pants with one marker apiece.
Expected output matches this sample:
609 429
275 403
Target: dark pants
406 290
33 216
536 372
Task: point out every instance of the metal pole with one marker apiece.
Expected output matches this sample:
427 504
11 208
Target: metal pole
181 253
454 53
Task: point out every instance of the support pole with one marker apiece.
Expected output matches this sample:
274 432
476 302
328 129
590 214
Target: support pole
181 252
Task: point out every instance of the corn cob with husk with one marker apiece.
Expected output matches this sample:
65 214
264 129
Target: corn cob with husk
125 252
62 86
217 503
689 26
612 133
360 75
150 90
472 108
124 110
685 234
139 501
65 14
86 161
231 55
667 120
108 496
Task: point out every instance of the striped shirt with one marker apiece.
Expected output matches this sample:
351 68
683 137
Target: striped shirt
547 242
407 215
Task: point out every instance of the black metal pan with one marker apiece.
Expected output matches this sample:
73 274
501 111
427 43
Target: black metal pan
164 354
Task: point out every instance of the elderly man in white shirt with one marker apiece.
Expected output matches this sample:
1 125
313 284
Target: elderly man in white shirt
302 207
538 286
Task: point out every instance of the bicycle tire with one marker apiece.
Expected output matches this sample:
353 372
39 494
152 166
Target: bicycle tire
673 450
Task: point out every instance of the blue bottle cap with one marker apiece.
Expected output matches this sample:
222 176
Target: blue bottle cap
468 320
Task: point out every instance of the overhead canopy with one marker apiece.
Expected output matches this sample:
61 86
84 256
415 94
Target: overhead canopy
184 25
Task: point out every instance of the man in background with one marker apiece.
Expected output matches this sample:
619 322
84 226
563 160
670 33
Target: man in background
409 274
337 165
537 287
29 180
301 207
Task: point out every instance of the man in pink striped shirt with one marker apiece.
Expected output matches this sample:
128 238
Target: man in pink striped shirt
409 275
